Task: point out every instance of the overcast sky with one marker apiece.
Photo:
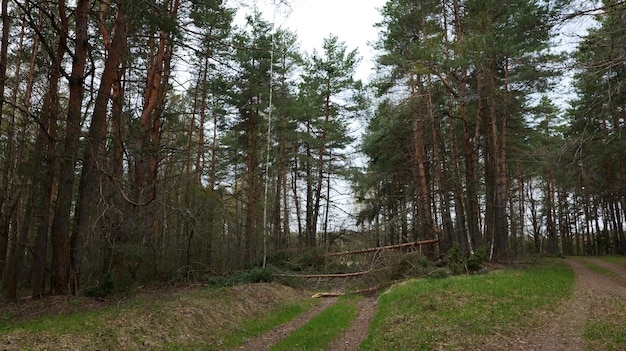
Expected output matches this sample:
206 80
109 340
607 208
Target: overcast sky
313 20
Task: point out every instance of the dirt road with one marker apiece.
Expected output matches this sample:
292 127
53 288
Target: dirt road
563 331
560 331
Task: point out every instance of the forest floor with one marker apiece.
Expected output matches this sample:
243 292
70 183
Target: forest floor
597 286
563 331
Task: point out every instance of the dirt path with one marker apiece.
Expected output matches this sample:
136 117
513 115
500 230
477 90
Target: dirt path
270 338
357 332
563 330
349 341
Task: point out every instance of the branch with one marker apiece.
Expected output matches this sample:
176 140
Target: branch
389 247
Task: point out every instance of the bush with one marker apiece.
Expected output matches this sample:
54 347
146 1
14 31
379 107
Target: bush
458 262
475 261
260 275
104 288
455 260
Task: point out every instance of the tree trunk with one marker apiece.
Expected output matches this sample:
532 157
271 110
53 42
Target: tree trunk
45 156
61 257
89 198
498 136
4 181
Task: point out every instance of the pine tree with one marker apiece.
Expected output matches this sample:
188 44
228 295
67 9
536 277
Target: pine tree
327 94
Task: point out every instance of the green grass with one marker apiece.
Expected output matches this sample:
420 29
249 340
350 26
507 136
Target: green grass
231 339
212 319
606 332
319 332
253 328
618 260
80 323
458 312
603 271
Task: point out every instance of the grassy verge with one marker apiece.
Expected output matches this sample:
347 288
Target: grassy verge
319 332
458 312
206 319
604 271
601 270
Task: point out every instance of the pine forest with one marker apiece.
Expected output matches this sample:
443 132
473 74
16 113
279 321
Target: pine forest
149 140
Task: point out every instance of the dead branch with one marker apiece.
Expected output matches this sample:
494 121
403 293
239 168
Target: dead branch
388 247
332 275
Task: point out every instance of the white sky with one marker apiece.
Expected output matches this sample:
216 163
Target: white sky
352 21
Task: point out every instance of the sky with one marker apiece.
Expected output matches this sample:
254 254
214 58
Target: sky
352 21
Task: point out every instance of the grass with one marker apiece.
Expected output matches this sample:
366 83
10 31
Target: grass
207 319
598 269
83 322
618 260
604 271
252 328
458 312
319 332
606 332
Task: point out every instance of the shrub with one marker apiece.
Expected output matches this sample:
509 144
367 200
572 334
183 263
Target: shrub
475 261
104 288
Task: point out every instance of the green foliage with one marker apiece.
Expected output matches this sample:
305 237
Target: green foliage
607 333
103 288
460 311
475 261
458 262
455 260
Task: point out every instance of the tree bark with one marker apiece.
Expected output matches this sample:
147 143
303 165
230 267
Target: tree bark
4 182
61 256
89 197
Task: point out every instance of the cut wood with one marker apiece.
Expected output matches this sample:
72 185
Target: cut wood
327 294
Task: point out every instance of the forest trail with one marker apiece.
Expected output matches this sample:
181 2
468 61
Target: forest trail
559 331
562 331
357 332
349 341
270 338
